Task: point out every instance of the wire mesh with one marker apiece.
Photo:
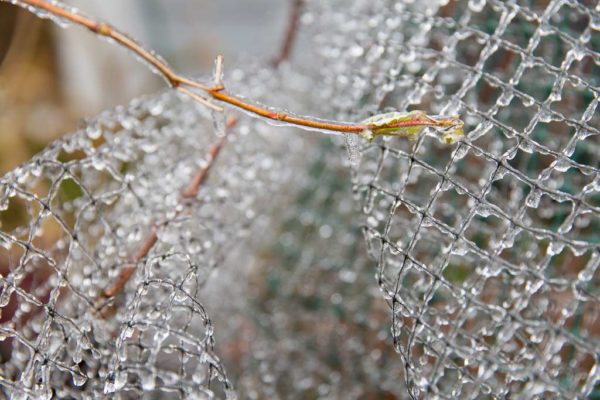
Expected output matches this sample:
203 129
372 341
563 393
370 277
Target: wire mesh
487 252
72 219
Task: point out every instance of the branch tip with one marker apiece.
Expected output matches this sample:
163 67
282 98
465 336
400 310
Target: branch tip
219 71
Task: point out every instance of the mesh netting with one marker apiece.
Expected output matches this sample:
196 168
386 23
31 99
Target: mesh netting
74 217
486 252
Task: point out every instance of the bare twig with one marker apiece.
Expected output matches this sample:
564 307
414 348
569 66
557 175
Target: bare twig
291 32
199 99
216 92
191 191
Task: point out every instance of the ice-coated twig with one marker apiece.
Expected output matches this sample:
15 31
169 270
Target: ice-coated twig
219 71
218 92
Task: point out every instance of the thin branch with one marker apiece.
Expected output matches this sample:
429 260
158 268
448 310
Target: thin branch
291 32
218 92
225 97
191 191
199 99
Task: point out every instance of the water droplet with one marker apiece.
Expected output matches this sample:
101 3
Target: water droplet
477 5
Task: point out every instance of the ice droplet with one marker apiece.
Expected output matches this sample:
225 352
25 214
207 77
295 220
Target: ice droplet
352 149
4 336
477 5
460 152
485 210
218 119
5 295
555 248
588 272
120 379
533 199
148 382
505 99
79 379
94 131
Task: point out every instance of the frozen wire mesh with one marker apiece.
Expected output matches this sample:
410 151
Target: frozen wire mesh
74 216
487 252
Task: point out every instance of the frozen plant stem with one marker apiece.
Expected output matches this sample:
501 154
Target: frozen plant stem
290 34
217 92
189 193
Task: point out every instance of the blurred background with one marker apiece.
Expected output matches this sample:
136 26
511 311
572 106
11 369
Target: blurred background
51 78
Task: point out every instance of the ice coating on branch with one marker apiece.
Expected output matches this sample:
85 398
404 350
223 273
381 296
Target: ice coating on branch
60 21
